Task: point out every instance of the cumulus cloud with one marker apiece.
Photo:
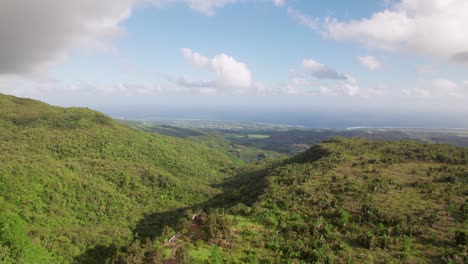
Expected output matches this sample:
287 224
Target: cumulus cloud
348 86
279 2
350 89
446 87
325 90
231 73
303 19
185 82
435 28
123 89
298 79
321 71
369 62
342 88
437 88
321 80
208 91
460 57
35 33
195 58
208 7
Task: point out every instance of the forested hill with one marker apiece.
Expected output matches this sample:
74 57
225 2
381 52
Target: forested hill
358 201
342 201
78 187
72 179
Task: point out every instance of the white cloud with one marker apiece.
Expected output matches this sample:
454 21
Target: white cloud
345 85
321 71
446 87
36 33
435 28
231 73
438 88
186 82
427 69
350 89
195 58
123 89
208 7
297 79
303 19
325 90
279 2
370 62
208 91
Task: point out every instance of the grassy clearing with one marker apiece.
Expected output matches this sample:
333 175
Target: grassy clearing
258 136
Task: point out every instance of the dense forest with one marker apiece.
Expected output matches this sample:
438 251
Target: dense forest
73 179
79 187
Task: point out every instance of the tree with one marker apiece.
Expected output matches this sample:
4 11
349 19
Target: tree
182 256
215 256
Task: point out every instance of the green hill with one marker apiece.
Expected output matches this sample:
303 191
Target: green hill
342 201
357 201
78 187
72 179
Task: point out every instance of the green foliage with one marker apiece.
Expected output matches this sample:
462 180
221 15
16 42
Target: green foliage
15 245
138 252
182 256
215 256
232 145
219 228
76 186
407 247
82 182
358 201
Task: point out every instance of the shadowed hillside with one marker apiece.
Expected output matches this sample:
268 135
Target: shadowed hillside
362 201
76 186
342 201
74 178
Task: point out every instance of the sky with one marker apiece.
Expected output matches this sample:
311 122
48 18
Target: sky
362 56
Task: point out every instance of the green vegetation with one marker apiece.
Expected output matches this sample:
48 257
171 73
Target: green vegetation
222 142
257 136
344 200
289 140
79 187
79 182
364 201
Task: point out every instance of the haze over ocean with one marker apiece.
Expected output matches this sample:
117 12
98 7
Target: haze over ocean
321 119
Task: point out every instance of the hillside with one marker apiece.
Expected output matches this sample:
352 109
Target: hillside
366 202
229 143
342 201
74 183
78 187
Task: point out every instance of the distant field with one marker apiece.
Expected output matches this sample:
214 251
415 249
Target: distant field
250 141
258 136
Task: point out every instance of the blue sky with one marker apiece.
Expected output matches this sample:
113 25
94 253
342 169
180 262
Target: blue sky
364 55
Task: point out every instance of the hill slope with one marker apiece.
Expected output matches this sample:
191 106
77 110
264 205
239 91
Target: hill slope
362 201
345 201
76 186
72 179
